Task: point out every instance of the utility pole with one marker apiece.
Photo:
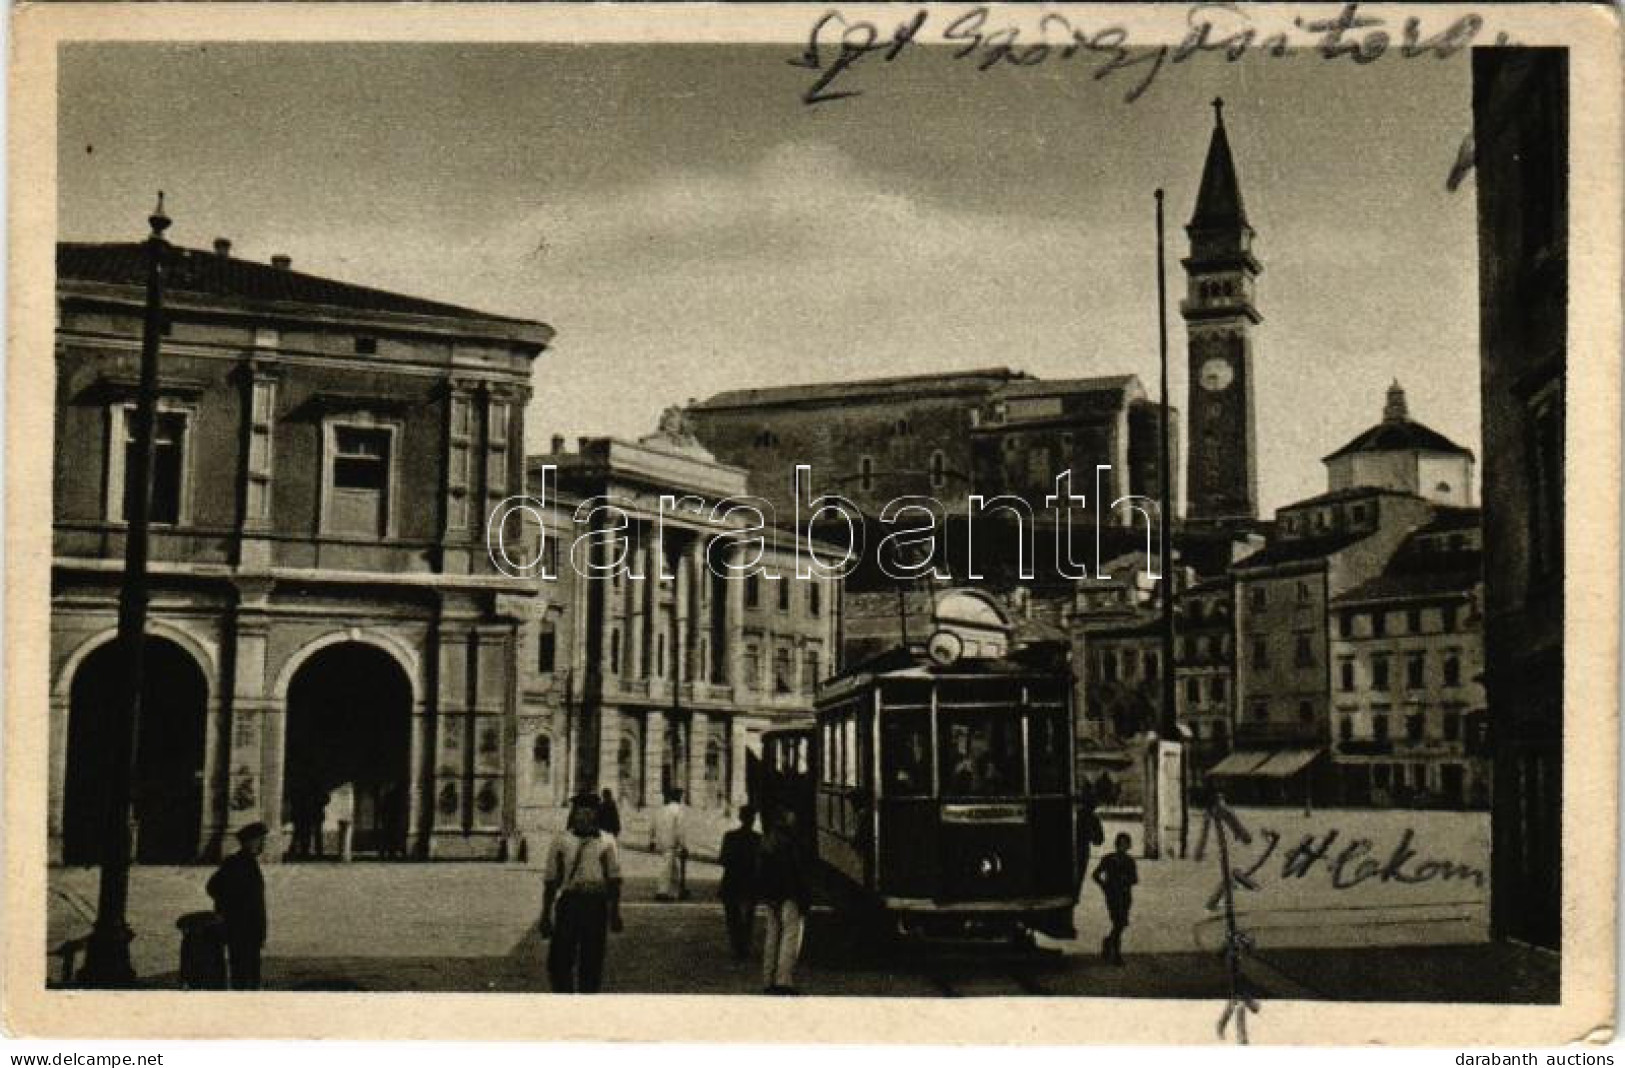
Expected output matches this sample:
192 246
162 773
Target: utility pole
107 956
1167 742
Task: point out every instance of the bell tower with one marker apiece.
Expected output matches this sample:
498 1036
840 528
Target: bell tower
1221 273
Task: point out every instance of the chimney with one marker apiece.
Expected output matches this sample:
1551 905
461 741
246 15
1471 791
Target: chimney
222 247
281 261
558 443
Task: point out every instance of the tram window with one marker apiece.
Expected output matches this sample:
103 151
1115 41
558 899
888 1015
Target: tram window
1046 735
905 754
981 754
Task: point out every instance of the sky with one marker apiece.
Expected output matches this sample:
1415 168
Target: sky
688 225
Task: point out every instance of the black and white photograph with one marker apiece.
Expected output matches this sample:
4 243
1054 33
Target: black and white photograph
931 502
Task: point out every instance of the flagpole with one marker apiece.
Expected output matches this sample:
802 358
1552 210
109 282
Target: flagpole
107 956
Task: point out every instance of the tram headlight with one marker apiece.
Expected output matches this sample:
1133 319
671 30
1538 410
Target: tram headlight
990 865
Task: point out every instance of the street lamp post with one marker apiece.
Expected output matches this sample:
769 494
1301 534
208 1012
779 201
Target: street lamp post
107 956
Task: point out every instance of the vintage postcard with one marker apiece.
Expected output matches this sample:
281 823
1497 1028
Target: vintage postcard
1099 521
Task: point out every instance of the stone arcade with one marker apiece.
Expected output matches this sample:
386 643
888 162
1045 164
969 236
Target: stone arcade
323 611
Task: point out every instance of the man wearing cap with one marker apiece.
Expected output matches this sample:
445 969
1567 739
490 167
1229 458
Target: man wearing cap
238 890
581 900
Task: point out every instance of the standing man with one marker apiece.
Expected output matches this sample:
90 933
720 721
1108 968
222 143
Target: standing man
669 839
609 815
1117 875
238 890
342 801
581 900
741 853
785 888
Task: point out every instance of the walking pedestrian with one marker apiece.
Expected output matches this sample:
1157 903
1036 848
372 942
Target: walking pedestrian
609 814
783 884
669 839
1117 875
740 855
581 900
238 890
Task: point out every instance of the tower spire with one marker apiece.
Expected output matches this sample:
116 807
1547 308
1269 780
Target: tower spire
1218 203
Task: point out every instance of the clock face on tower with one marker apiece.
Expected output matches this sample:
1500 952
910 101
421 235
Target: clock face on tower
1216 373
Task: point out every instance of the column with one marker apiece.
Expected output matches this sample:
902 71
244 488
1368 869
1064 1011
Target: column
635 594
651 605
457 503
490 731
738 792
448 808
736 633
609 747
681 647
254 724
253 545
698 620
253 746
699 735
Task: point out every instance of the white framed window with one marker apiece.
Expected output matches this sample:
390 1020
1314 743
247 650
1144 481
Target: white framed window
360 455
939 469
171 463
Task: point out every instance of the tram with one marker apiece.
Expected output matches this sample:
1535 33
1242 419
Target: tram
939 781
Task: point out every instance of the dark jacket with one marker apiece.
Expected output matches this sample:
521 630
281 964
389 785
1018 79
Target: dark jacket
781 874
740 856
1117 875
238 890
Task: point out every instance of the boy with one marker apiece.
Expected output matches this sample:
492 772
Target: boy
1117 875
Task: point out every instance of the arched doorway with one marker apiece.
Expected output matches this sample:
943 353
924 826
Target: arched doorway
349 722
167 783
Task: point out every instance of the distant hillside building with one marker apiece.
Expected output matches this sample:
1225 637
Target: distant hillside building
948 436
1402 454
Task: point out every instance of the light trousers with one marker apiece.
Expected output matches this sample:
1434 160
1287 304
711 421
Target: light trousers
671 874
782 944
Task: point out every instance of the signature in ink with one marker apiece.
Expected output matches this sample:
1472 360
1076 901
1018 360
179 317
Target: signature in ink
837 46
1356 863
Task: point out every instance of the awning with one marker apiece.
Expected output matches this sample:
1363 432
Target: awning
1238 764
1285 763
1274 765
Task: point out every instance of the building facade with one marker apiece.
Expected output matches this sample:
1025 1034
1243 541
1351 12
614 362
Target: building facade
323 611
1520 129
1205 670
1407 687
1322 547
